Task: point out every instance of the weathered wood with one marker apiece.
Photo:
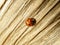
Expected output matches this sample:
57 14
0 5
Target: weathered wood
14 31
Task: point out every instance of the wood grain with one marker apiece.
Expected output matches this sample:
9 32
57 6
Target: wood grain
14 31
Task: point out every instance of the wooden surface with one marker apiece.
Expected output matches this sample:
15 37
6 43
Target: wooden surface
14 31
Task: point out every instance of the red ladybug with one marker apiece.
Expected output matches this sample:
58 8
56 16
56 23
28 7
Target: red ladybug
30 21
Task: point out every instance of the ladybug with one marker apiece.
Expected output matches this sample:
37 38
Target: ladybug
30 21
